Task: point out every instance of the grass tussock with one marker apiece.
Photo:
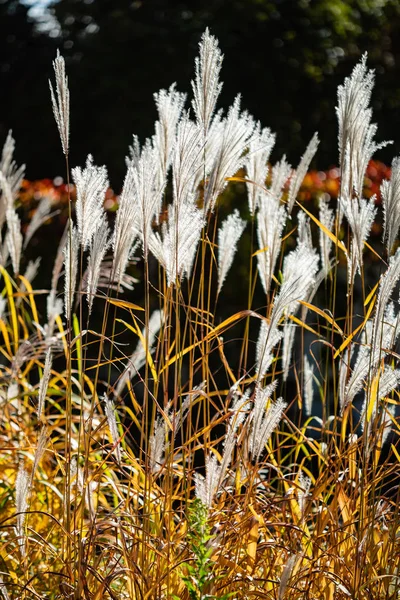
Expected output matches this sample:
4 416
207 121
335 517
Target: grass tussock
158 443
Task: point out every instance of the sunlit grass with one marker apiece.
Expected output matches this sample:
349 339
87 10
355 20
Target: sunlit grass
160 464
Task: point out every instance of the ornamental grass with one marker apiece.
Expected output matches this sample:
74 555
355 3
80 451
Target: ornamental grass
201 401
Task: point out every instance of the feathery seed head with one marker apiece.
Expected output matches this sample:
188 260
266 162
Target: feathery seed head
126 228
308 386
41 214
14 238
256 163
60 101
268 338
390 192
169 106
389 380
302 493
3 589
271 220
91 186
299 270
304 236
301 171
6 198
356 132
40 450
175 248
264 418
22 489
44 382
157 445
353 100
134 153
187 160
281 172
9 170
145 192
387 421
206 487
54 306
207 87
327 218
109 409
228 238
289 332
236 132
379 337
70 270
239 408
98 248
360 214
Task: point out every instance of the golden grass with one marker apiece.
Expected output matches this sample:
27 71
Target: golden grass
123 530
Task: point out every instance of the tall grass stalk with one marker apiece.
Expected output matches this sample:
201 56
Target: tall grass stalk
226 427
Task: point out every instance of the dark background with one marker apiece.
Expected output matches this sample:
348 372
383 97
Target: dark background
286 57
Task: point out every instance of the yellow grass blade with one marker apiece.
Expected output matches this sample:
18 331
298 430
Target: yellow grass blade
323 314
62 331
21 321
395 452
331 235
78 343
31 297
6 337
244 180
304 325
372 250
345 420
288 234
373 396
215 332
225 362
251 547
266 248
199 311
344 503
213 450
372 292
357 329
124 304
11 303
389 415
260 251
132 415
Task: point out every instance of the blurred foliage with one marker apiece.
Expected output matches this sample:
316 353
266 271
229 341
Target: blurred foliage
316 184
120 52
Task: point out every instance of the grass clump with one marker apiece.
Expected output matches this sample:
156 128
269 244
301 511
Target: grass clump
157 443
